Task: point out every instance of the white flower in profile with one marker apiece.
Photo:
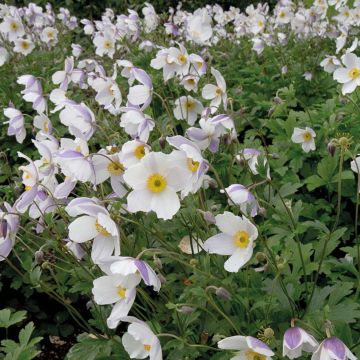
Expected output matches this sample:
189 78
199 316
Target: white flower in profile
187 108
95 223
296 340
215 93
305 137
349 75
16 124
136 123
23 46
355 165
4 56
116 289
139 341
236 239
108 94
333 348
155 181
247 347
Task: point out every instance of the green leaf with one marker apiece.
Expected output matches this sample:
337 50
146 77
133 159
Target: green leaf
7 319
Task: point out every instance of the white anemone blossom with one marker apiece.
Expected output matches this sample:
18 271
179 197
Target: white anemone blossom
236 239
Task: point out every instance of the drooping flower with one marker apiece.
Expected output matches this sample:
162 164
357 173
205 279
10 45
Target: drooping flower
333 349
216 93
247 347
16 124
297 340
305 137
236 239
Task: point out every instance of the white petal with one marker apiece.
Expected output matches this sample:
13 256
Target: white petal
82 229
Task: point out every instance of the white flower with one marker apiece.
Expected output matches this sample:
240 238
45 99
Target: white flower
330 64
140 342
187 108
4 56
215 93
199 27
24 46
105 44
155 181
247 347
296 340
333 349
305 137
136 123
236 239
349 75
49 35
12 27
133 151
16 124
108 94
95 224
118 290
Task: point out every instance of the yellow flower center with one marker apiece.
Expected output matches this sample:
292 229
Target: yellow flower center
50 35
25 45
191 81
182 59
140 152
218 92
107 44
156 183
14 26
354 73
252 355
346 14
115 168
282 14
111 90
307 136
190 105
147 347
241 239
260 23
192 165
101 230
121 292
28 187
46 126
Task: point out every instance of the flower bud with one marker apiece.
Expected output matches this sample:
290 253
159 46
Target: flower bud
331 147
208 216
39 256
223 293
3 228
260 256
187 310
162 142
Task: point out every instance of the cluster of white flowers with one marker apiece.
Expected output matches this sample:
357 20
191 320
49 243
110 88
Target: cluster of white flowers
21 29
141 179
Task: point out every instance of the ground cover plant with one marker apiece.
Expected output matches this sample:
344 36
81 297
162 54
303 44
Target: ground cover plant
180 185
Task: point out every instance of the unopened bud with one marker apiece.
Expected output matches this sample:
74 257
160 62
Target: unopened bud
39 256
223 293
260 256
187 310
204 337
331 147
162 142
278 100
208 216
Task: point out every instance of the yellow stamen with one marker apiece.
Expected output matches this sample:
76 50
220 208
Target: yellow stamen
115 168
156 183
190 105
252 355
192 165
121 292
218 92
25 45
241 239
101 230
28 187
307 136
140 152
14 26
107 44
354 73
147 347
182 59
